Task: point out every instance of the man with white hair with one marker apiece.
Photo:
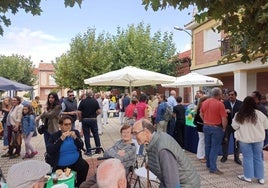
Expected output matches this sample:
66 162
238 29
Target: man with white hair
171 100
111 173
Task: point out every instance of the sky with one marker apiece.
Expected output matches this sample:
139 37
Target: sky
49 35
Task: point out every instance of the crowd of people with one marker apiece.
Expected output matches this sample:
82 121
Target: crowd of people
145 120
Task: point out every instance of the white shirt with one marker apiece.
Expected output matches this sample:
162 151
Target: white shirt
250 133
105 105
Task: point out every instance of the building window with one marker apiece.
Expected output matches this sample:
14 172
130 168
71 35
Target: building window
51 80
227 46
211 40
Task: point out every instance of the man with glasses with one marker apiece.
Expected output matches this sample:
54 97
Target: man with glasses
166 159
232 105
69 107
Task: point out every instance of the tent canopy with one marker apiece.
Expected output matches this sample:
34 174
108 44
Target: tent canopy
7 85
129 77
194 79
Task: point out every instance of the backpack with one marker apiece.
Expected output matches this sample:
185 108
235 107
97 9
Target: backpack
168 113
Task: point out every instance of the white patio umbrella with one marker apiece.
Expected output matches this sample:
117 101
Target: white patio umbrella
194 79
129 77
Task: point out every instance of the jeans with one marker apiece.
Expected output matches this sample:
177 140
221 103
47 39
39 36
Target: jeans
5 142
252 159
90 124
213 140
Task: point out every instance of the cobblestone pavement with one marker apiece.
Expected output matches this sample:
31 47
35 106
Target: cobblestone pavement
111 134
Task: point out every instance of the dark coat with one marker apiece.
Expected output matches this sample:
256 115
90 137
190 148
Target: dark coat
233 110
54 144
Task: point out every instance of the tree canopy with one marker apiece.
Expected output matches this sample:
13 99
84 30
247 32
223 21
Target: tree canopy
246 22
29 6
17 68
91 55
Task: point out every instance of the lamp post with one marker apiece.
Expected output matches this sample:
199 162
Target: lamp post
192 42
181 29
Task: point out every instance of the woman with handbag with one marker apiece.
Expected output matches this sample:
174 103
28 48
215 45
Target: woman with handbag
6 106
50 115
14 128
28 128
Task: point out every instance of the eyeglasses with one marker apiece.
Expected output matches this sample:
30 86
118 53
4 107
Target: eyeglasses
71 95
136 133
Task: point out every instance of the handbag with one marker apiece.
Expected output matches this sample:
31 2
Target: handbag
1 127
16 138
43 127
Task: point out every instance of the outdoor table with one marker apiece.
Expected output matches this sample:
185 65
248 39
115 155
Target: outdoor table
70 181
191 138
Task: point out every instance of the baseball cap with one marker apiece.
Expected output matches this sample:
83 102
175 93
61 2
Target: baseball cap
26 173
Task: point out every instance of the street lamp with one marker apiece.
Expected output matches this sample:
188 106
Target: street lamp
192 44
181 29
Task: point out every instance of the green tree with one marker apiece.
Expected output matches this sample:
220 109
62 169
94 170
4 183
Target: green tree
29 6
17 68
137 46
92 55
246 22
89 55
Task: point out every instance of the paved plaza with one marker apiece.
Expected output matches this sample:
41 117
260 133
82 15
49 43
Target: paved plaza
111 135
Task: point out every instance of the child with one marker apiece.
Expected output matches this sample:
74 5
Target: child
28 127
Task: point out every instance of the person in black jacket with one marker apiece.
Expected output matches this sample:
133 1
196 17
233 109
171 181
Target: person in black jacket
64 150
232 105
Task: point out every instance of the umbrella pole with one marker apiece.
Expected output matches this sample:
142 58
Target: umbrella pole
193 94
130 89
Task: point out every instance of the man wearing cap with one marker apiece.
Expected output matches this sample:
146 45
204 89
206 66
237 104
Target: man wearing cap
30 173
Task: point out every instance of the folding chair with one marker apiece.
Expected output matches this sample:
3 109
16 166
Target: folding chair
144 172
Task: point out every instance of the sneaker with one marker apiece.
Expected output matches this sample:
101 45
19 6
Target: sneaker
261 181
223 159
243 178
34 153
218 172
26 156
202 160
5 155
5 147
14 156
